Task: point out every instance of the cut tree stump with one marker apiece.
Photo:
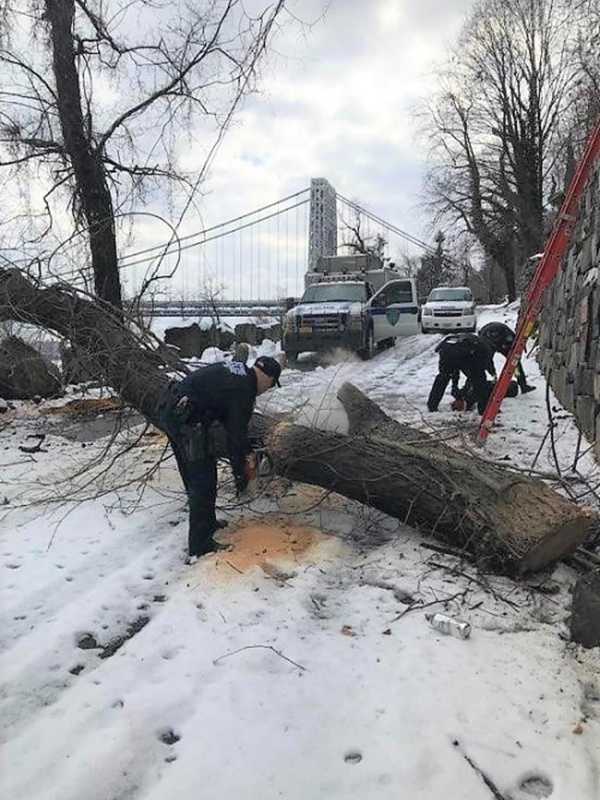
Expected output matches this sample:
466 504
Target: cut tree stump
507 521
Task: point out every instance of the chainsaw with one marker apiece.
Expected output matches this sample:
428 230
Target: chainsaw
259 466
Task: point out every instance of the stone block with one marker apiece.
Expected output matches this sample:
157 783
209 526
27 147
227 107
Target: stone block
24 374
191 340
249 332
585 411
584 381
585 611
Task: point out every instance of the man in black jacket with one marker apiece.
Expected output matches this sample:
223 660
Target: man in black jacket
223 393
466 353
501 338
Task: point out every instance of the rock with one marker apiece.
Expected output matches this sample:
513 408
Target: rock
3 406
273 332
255 333
24 373
190 340
585 611
249 332
225 338
241 352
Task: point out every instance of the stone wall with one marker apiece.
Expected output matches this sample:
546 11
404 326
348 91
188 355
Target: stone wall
570 321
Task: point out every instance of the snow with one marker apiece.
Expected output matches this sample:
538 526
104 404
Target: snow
288 667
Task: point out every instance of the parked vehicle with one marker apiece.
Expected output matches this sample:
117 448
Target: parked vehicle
449 308
360 308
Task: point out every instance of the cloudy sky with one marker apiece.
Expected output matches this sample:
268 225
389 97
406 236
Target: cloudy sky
336 99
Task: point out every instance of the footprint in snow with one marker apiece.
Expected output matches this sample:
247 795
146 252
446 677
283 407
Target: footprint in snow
536 785
353 757
168 736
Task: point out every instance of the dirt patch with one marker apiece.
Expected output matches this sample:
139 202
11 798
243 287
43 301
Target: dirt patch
87 406
274 546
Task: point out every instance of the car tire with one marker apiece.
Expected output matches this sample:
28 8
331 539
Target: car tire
424 329
369 349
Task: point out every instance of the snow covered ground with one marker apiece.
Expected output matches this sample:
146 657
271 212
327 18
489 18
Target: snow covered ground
299 663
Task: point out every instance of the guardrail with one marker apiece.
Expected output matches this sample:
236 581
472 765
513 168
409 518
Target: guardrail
224 308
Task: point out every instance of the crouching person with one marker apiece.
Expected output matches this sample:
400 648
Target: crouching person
466 353
465 398
500 337
224 394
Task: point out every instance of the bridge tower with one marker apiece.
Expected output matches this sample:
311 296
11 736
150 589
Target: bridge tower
322 234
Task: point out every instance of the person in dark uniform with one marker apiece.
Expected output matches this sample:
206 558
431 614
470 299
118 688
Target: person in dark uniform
466 353
222 393
501 338
464 397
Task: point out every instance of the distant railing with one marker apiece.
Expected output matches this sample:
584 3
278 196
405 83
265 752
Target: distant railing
224 308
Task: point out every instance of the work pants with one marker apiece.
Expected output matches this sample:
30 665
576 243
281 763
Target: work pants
520 376
193 449
473 370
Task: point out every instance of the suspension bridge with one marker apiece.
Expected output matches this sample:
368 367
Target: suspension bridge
251 262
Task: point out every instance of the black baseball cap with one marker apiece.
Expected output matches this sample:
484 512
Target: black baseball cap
270 366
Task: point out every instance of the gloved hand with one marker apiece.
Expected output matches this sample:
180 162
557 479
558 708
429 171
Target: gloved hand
183 407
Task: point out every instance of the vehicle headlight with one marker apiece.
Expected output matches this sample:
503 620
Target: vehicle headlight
468 311
427 312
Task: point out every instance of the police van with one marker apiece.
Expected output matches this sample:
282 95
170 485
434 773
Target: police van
353 302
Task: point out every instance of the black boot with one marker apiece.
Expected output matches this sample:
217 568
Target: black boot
207 545
527 388
201 541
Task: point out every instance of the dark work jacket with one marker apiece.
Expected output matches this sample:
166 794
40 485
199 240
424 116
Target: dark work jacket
499 335
462 350
223 393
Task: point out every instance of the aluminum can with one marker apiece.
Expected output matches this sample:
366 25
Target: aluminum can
449 625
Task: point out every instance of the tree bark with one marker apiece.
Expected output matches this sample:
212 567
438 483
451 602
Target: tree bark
126 361
509 522
92 190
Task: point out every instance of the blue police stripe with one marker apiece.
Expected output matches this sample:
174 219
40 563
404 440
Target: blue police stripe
374 312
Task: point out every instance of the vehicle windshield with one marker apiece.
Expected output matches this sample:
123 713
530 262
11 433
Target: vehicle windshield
451 294
335 292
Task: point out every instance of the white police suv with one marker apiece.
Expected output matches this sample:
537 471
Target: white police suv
449 308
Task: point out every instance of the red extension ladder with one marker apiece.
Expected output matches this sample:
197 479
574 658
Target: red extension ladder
545 273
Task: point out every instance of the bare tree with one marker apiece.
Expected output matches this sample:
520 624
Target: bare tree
97 108
360 242
496 125
435 268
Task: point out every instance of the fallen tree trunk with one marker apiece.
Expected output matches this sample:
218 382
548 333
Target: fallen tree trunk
508 522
